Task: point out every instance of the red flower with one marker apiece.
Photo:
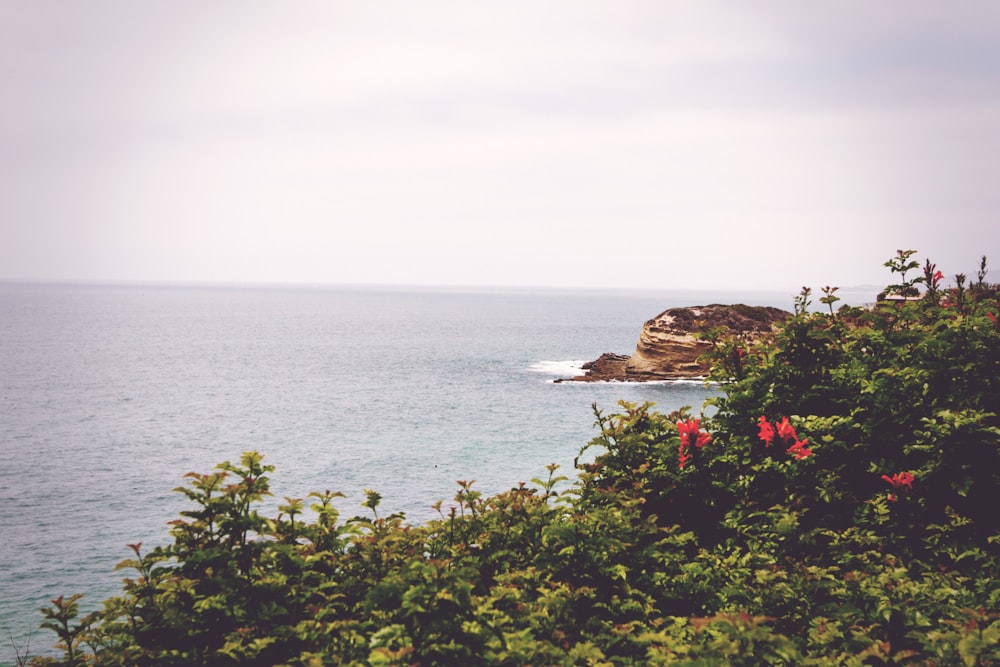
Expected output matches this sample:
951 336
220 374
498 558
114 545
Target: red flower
936 280
799 449
785 430
690 435
766 431
993 318
683 458
901 481
688 426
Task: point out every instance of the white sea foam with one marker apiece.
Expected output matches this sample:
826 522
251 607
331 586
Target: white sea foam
563 369
570 368
696 382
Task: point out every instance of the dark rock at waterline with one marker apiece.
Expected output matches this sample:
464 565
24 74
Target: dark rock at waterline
608 367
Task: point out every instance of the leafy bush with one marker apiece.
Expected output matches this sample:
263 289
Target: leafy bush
839 507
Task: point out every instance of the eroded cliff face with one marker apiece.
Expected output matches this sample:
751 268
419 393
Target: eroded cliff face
664 356
669 347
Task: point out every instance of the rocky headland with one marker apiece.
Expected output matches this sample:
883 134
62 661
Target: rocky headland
670 347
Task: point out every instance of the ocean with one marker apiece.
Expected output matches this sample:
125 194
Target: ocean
109 394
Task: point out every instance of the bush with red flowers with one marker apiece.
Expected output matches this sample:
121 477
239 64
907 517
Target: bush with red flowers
835 505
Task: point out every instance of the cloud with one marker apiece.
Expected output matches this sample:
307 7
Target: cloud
515 143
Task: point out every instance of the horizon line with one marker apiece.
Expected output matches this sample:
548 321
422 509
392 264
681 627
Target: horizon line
402 287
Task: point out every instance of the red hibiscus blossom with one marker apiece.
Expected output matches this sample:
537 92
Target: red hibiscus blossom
799 449
766 431
690 435
785 430
683 458
901 481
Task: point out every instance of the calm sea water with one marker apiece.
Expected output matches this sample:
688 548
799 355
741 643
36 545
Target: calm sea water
109 394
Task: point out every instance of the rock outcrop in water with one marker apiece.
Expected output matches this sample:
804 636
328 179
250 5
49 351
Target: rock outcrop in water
669 347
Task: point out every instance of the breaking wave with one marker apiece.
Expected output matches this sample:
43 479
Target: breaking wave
564 369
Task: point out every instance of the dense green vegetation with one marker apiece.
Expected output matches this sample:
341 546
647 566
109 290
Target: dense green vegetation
837 507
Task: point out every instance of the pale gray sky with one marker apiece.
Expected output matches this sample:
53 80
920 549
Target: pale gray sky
656 144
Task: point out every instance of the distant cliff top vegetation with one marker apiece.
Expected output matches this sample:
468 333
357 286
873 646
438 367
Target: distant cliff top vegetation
735 317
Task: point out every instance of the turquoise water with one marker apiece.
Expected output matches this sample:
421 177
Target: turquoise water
109 394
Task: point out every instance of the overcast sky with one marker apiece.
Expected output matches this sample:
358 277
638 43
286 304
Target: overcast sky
657 144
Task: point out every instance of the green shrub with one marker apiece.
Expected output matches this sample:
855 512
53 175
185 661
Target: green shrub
839 507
